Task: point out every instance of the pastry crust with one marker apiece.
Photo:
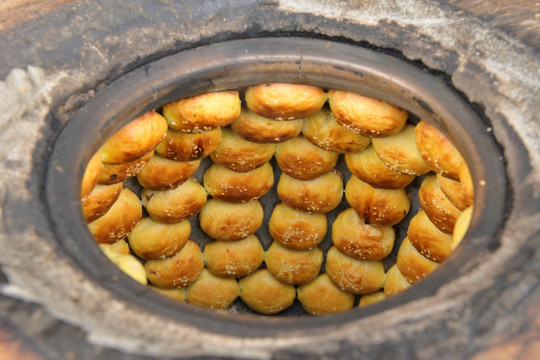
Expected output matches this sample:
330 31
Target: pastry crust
321 297
293 267
234 258
241 155
179 270
91 176
319 195
118 173
428 239
466 180
285 101
212 292
377 206
203 112
162 174
462 225
302 160
437 151
297 230
355 276
121 246
368 167
455 192
181 146
259 129
118 222
372 298
154 240
413 265
395 282
399 152
127 263
364 115
322 130
176 205
228 185
227 221
100 201
178 294
361 241
436 204
265 294
138 137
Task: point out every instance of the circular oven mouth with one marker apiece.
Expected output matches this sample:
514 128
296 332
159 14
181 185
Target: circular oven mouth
238 64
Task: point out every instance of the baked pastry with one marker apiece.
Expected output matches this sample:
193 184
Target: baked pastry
293 267
462 225
234 258
163 174
297 230
227 221
377 206
428 239
455 192
228 185
127 263
368 167
119 220
178 294
372 298
466 180
121 246
399 152
203 112
355 276
181 146
264 294
257 128
354 238
321 297
100 201
320 195
302 160
395 281
179 270
91 176
322 130
118 173
436 204
212 291
285 101
413 265
154 240
364 115
437 151
241 155
175 205
138 137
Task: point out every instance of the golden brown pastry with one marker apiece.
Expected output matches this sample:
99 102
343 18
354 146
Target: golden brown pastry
321 297
227 221
178 294
234 258
119 220
293 267
413 265
355 276
353 237
212 292
176 205
364 115
241 155
138 137
100 201
462 225
368 167
179 270
264 294
395 281
117 173
428 239
203 112
256 128
121 246
377 206
322 130
320 195
302 160
399 152
154 240
466 180
228 185
455 192
437 151
372 298
297 230
127 263
436 204
181 146
285 101
91 176
162 174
